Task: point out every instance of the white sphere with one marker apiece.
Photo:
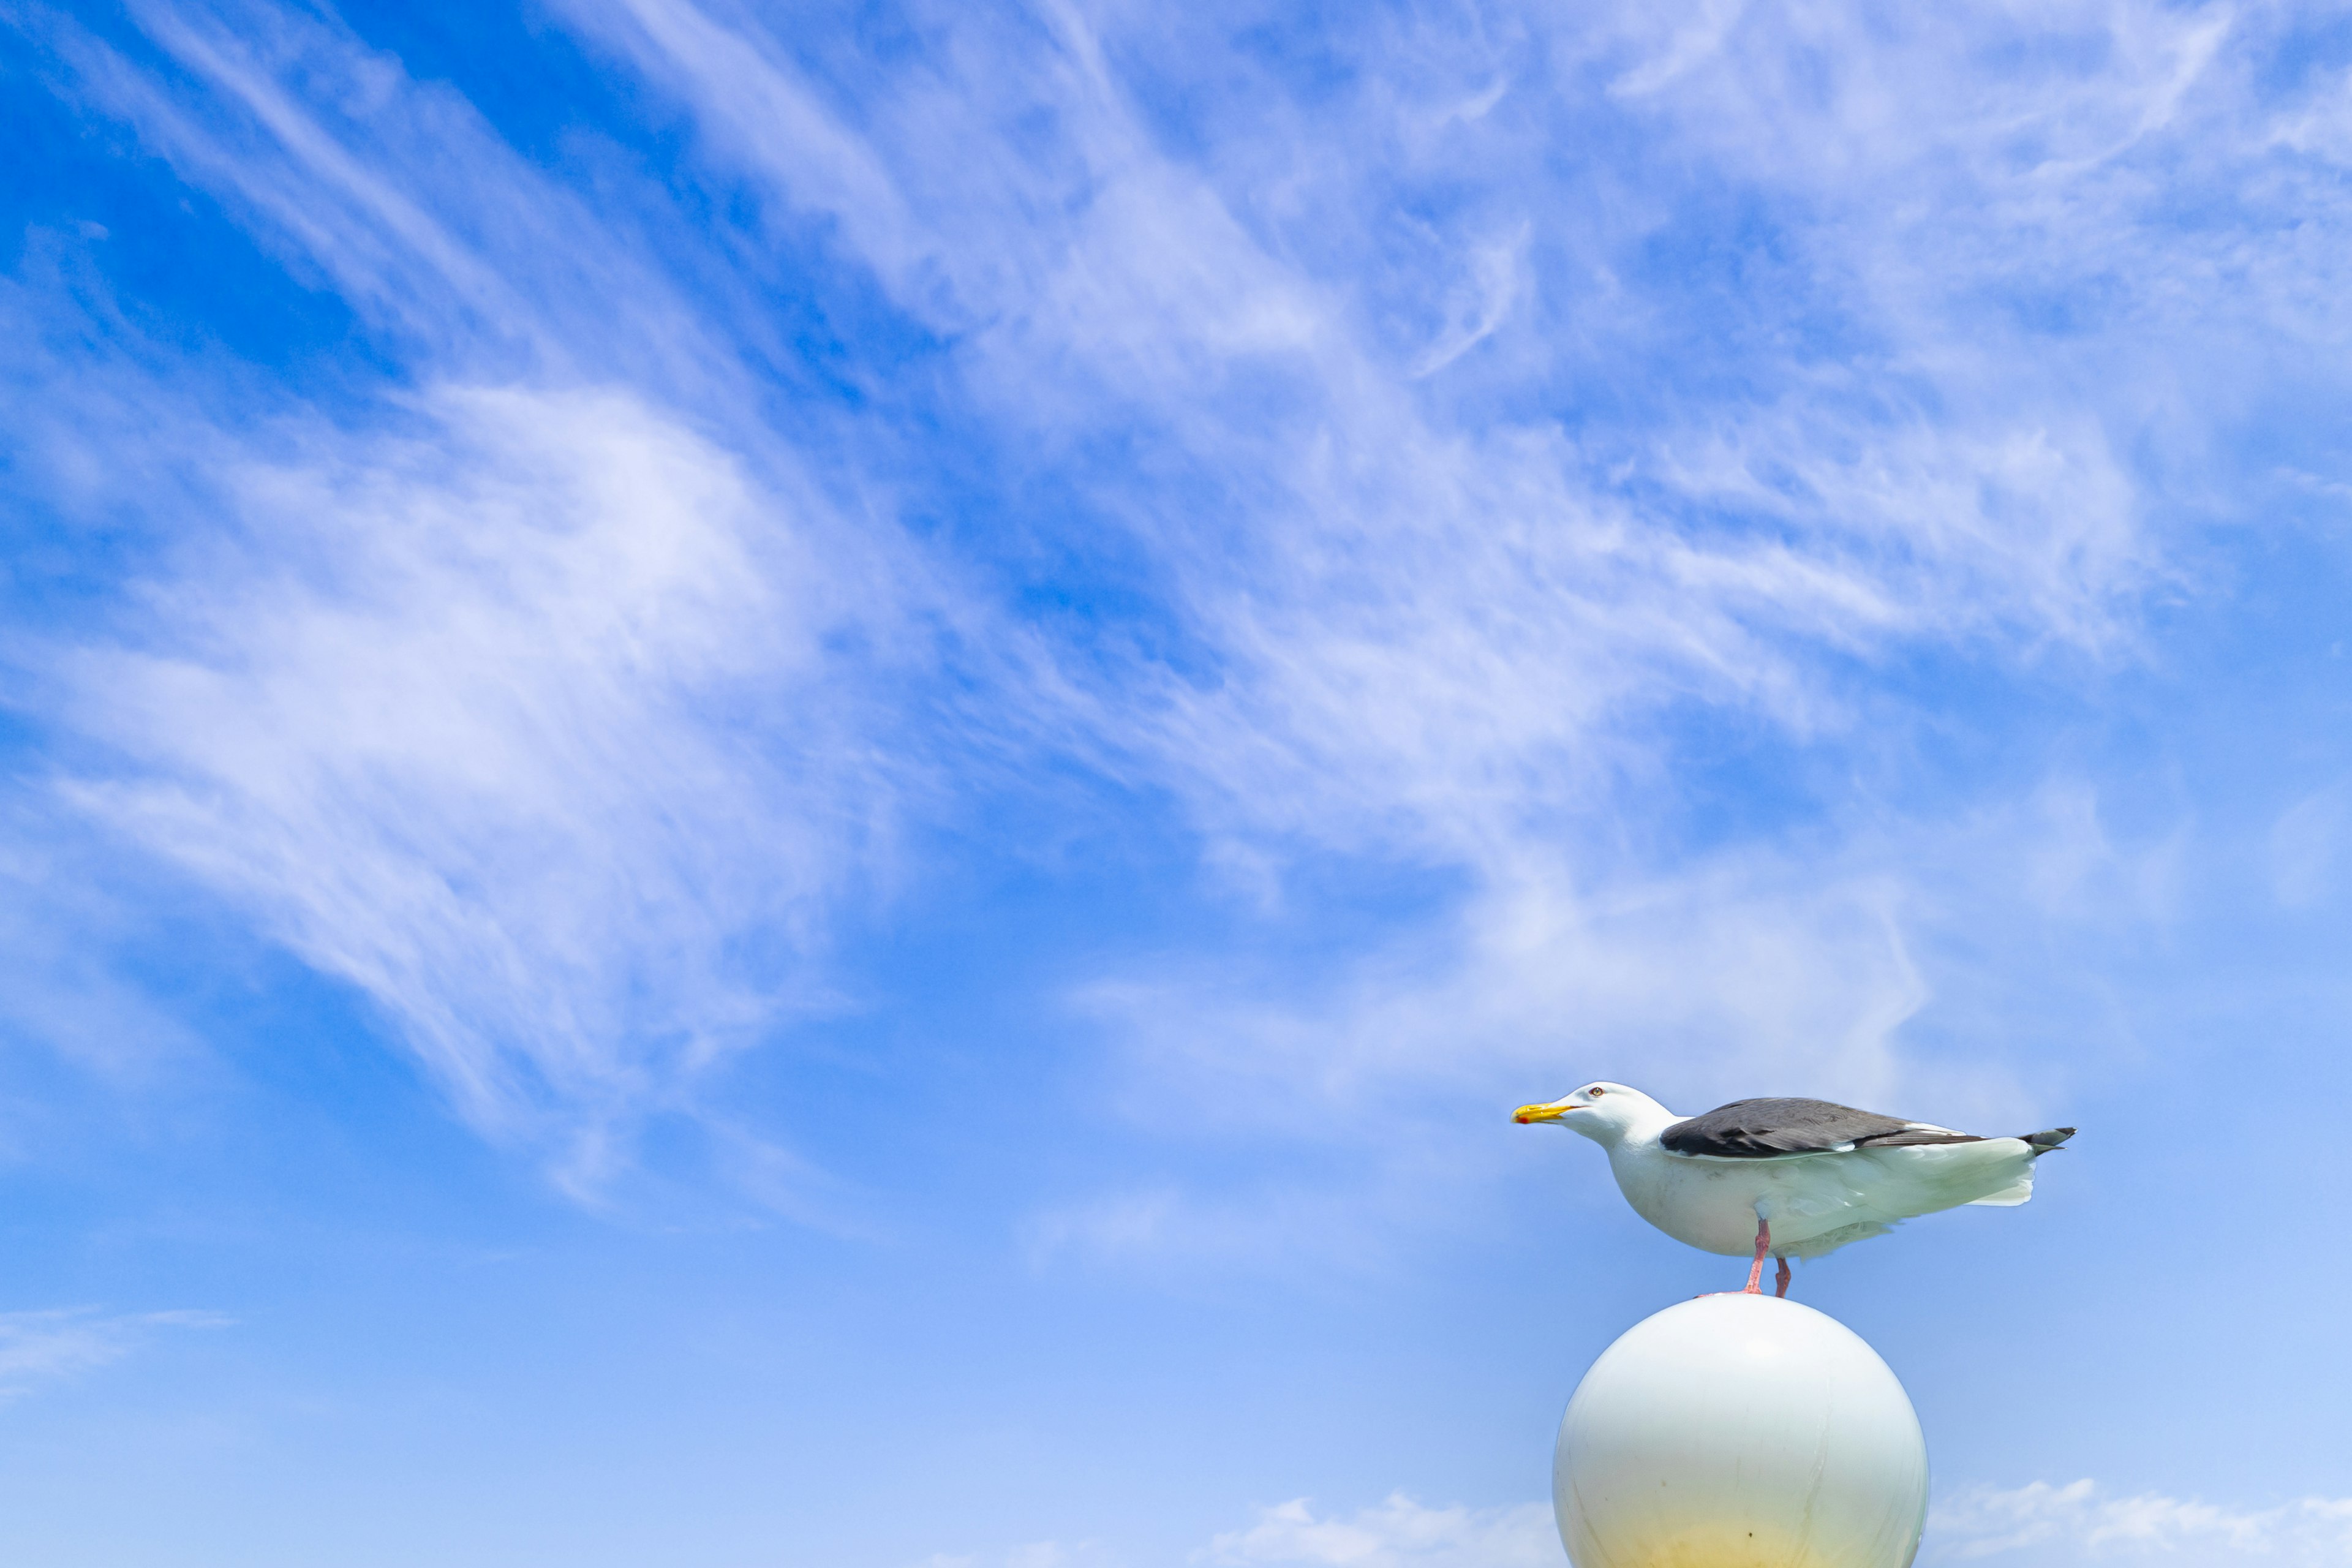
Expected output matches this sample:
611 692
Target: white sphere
1740 1431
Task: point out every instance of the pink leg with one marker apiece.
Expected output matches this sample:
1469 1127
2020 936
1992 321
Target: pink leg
1756 1270
1781 1280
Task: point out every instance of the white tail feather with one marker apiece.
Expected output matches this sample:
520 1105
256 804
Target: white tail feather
2010 1196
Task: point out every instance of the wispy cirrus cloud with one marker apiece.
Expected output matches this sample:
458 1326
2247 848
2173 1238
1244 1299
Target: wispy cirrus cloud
1419 621
397 195
57 1344
548 704
526 724
1457 490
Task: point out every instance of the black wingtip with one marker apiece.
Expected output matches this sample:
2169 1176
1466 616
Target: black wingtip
2043 1143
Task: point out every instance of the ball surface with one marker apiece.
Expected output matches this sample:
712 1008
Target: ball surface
1740 1431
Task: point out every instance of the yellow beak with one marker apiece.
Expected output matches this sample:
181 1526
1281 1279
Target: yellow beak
1526 1114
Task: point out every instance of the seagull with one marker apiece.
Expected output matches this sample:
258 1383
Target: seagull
1809 1177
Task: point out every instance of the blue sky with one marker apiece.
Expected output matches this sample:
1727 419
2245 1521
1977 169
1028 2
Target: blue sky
802 787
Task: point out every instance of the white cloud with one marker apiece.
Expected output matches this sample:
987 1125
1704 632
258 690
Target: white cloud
1546 975
1423 628
529 724
1032 1554
1696 37
2039 1522
1481 302
2068 1524
554 706
401 197
57 1344
1396 1533
1418 630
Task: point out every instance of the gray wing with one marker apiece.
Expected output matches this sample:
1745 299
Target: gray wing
1770 1129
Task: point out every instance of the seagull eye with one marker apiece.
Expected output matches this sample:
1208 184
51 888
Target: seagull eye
1594 1091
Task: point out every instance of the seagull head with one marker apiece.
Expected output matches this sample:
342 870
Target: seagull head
1603 1111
